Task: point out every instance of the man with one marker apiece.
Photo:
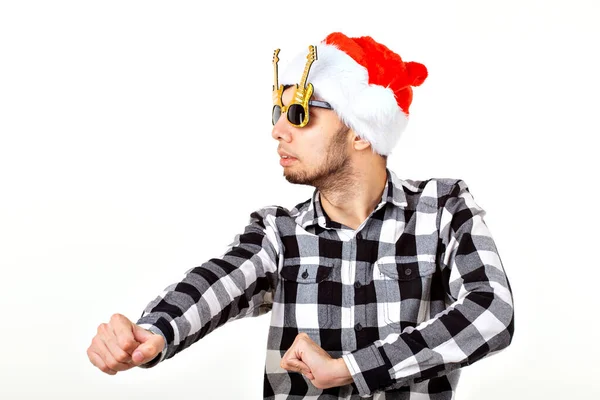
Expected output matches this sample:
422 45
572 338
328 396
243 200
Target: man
378 287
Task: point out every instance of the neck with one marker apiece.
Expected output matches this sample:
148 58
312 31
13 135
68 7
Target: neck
351 195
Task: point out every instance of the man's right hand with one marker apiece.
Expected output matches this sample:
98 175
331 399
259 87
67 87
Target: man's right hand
121 345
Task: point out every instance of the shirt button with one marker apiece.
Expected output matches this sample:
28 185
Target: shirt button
358 326
408 271
359 235
357 284
305 274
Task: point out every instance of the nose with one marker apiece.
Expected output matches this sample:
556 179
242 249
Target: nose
282 129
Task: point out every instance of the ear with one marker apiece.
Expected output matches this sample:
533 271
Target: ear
360 143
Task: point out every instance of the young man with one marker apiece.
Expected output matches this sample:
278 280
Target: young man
378 287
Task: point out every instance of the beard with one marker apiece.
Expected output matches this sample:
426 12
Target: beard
334 170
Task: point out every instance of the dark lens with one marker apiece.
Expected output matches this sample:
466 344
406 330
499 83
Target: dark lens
276 114
295 114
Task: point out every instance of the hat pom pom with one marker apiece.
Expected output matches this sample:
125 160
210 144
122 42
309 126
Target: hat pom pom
417 73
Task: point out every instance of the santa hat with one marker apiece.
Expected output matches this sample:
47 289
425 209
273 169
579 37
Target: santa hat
367 84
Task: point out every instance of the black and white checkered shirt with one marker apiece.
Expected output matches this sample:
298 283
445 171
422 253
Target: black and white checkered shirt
416 292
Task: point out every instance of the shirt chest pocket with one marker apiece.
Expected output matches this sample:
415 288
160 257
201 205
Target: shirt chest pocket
308 293
403 288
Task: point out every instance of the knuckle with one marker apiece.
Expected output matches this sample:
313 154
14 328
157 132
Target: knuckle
96 341
122 357
127 344
149 349
117 317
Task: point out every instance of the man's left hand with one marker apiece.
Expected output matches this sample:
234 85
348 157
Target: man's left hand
308 358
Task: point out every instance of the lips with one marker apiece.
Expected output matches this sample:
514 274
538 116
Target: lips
286 159
284 154
286 162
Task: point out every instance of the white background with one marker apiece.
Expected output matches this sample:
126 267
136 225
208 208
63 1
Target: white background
135 142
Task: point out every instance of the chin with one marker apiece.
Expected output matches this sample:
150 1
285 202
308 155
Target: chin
297 177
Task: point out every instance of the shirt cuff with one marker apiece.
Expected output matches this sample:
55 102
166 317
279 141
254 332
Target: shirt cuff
369 368
160 356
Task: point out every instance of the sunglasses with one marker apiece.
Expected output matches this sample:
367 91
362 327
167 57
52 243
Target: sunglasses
298 114
298 110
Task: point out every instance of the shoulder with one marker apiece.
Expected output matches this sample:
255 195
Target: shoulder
275 212
434 191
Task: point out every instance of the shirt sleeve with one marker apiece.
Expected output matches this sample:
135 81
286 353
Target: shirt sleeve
238 284
478 322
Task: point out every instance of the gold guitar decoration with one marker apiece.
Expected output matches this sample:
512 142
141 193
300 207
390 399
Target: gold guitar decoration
303 90
277 89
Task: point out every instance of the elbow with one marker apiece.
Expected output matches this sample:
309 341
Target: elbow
496 324
498 334
509 319
510 329
505 334
502 307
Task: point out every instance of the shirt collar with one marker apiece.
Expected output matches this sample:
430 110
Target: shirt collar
393 193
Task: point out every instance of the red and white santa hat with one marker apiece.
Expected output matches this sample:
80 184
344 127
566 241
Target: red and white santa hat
367 84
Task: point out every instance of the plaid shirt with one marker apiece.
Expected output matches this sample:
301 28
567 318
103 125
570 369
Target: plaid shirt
416 292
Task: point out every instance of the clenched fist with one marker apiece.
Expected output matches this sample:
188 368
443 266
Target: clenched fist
121 345
309 359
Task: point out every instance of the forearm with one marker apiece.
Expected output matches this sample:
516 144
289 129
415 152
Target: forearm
222 289
464 334
208 297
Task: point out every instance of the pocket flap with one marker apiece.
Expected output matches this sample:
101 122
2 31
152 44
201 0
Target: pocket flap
305 270
404 268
